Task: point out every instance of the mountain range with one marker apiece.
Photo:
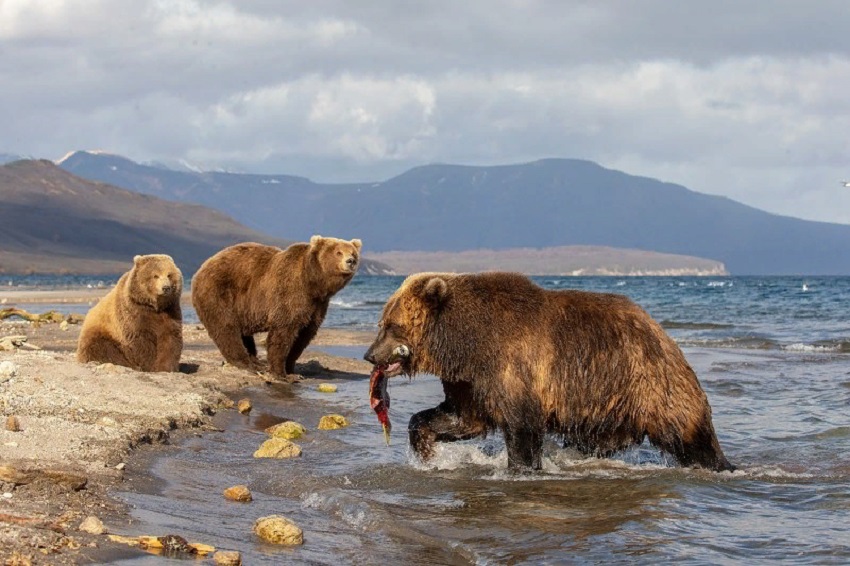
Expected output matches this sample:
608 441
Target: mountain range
52 221
543 204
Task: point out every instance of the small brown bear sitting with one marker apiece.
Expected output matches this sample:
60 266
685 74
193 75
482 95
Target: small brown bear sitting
138 324
250 288
591 367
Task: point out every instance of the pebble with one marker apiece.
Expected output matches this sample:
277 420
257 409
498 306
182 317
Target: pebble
63 325
278 448
120 466
13 424
8 369
92 525
277 529
244 406
332 422
7 495
238 493
327 388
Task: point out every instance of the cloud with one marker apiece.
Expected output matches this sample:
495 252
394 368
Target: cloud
746 100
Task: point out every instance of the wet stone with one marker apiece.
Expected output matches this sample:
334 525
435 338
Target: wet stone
289 430
332 422
244 406
227 558
278 448
277 529
238 493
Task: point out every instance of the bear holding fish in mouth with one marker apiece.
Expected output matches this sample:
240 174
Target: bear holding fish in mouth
593 368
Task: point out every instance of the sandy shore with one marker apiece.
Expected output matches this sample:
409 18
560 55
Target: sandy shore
79 425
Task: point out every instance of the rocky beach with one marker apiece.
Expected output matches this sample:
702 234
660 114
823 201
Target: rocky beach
72 431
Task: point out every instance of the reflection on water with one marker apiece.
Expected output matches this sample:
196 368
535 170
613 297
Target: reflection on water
780 416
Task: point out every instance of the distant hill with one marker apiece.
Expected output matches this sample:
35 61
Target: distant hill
565 260
52 221
8 158
547 203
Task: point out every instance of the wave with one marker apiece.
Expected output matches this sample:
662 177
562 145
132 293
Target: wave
678 325
837 432
837 346
343 304
741 342
346 304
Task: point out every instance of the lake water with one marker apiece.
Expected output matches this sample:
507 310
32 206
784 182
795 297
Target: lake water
771 353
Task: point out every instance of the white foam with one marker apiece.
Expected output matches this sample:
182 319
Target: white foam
771 472
352 511
458 455
346 304
800 347
558 463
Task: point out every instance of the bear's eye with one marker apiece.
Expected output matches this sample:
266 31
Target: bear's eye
156 276
339 253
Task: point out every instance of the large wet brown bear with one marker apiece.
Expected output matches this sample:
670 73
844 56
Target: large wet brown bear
591 367
250 288
139 323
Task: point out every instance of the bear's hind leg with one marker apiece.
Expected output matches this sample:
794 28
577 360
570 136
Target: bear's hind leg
102 349
525 448
228 339
701 450
438 425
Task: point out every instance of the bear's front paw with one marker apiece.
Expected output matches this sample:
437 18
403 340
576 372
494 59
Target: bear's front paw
293 377
273 377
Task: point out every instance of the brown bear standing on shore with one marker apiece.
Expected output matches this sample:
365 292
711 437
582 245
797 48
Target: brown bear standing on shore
138 324
592 367
250 288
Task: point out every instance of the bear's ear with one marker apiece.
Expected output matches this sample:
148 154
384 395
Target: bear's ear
435 292
315 241
137 259
357 244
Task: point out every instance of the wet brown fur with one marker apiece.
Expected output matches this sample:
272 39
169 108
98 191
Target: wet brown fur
139 323
250 288
592 367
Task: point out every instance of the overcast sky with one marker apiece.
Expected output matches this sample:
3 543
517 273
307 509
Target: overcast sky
747 99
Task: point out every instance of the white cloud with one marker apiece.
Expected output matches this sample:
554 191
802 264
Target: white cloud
747 100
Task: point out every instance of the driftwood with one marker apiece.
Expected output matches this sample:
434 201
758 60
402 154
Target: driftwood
9 343
49 316
70 480
33 522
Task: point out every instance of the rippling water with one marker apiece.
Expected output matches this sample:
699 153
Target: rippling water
771 353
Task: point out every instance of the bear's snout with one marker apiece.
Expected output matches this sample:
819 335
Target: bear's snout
393 357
